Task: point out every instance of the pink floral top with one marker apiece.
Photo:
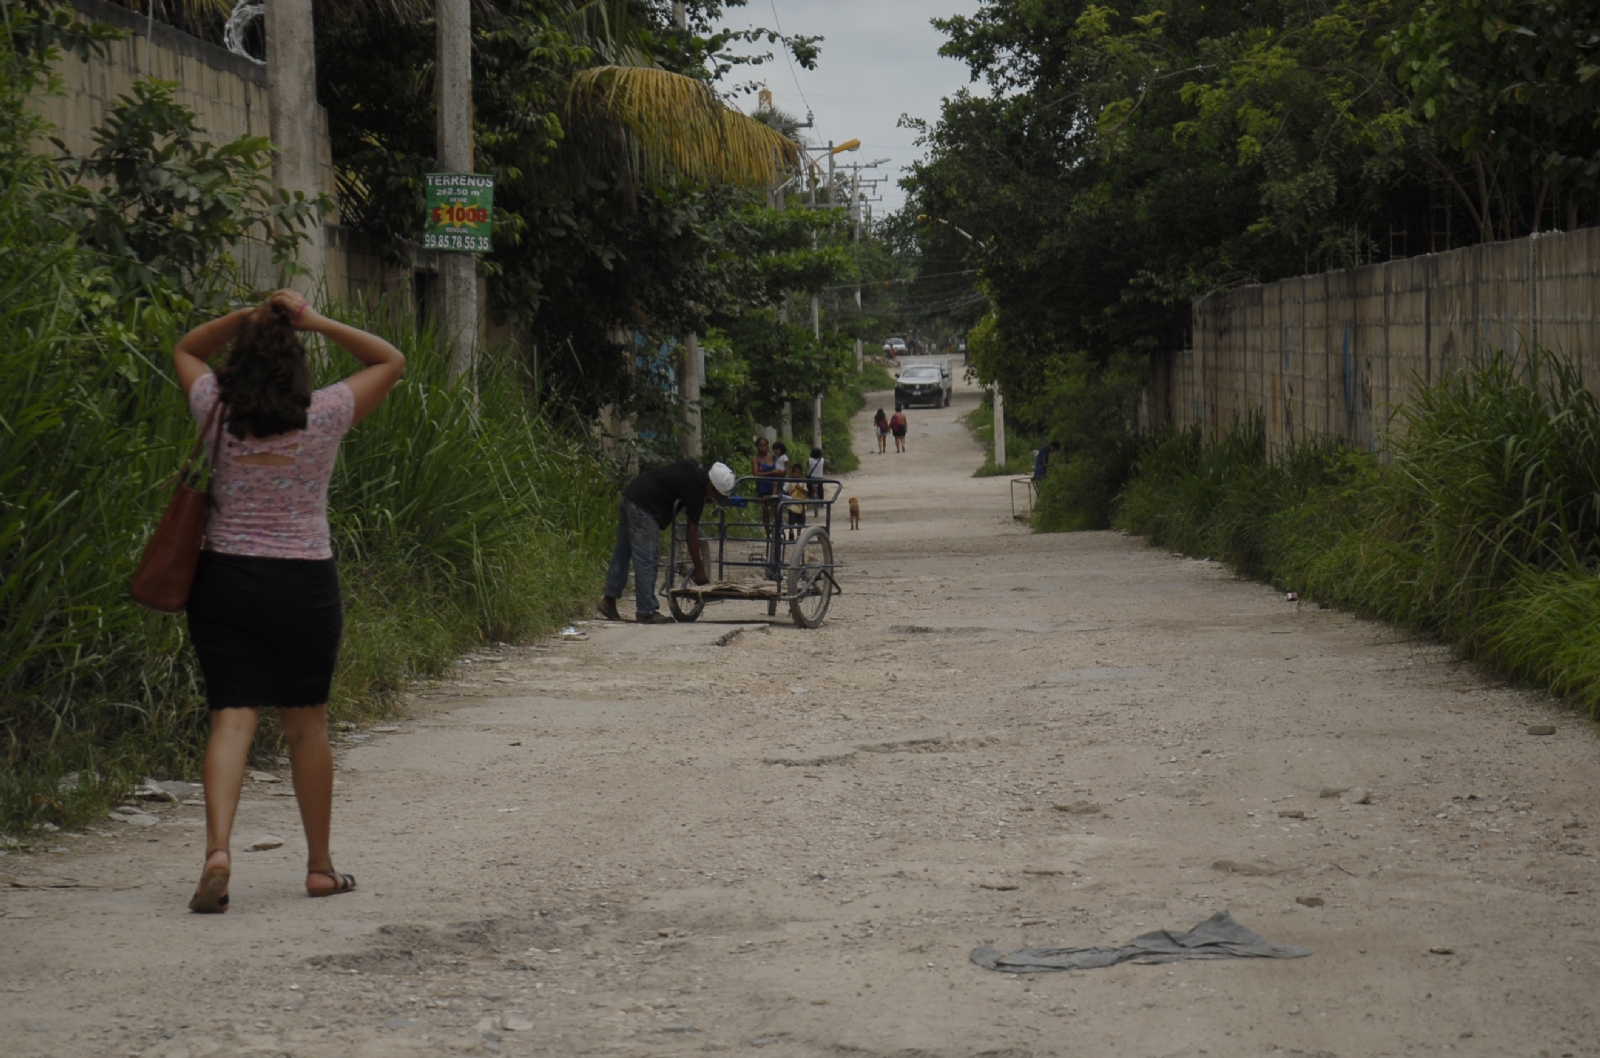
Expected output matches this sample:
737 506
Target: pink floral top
274 511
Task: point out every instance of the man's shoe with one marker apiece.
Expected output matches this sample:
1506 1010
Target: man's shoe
608 610
656 618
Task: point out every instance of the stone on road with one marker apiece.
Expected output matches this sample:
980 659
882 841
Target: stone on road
647 844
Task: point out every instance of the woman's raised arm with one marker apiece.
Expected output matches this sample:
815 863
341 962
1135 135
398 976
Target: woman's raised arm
384 363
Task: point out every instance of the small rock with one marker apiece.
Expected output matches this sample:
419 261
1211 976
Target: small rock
681 1027
387 729
1360 795
1521 806
265 842
264 776
1333 791
1441 951
1001 887
797 690
1080 808
1541 729
401 1023
516 1024
153 791
1294 1008
1310 901
1291 813
138 819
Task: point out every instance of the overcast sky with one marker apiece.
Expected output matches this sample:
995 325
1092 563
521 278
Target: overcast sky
880 59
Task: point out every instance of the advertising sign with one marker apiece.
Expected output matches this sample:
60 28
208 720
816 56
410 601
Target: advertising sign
460 212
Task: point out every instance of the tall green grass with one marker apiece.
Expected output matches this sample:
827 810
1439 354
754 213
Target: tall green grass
459 513
1483 529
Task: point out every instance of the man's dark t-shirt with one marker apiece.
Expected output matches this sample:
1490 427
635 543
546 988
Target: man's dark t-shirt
657 490
1041 462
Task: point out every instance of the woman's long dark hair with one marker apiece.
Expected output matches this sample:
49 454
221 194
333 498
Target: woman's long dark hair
266 382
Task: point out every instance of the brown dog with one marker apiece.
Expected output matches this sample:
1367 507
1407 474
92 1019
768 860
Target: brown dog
855 513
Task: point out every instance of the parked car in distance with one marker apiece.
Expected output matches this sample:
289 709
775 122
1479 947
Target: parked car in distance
927 384
893 347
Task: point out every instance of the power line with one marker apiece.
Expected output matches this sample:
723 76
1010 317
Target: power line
787 57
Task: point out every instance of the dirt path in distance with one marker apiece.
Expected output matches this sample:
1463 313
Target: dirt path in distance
741 837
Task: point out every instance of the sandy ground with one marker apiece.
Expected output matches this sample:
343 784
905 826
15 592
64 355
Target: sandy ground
582 848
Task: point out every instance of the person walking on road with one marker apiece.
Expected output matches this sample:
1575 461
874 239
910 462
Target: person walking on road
897 426
265 614
880 425
649 504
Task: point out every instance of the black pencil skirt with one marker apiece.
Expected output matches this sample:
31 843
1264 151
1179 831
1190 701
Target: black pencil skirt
266 629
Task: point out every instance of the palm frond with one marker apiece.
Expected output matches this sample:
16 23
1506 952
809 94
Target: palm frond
676 124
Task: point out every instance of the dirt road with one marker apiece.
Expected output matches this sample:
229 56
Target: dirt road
735 837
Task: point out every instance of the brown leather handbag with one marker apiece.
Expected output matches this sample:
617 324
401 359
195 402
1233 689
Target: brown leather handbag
166 571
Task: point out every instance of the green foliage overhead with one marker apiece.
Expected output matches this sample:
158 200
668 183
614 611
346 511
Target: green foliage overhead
1129 157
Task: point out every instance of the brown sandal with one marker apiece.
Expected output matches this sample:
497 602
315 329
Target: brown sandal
342 883
209 898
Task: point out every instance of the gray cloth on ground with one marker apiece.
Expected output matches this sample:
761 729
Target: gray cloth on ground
1218 937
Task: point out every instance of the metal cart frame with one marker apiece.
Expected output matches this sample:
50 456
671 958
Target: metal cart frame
795 561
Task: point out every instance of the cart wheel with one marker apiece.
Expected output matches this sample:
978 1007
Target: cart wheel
688 607
809 585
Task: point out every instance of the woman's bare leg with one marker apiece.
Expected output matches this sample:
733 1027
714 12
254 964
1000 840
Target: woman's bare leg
305 728
227 753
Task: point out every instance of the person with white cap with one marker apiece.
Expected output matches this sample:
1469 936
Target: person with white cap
649 504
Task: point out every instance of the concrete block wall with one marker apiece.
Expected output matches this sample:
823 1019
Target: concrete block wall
1336 353
228 94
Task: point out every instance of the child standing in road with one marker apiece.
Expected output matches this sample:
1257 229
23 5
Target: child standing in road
880 425
897 426
795 513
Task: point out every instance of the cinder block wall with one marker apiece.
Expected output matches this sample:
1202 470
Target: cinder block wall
228 93
1335 353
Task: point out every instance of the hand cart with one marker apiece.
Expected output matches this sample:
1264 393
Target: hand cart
751 552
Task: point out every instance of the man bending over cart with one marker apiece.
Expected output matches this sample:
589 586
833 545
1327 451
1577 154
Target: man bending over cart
649 504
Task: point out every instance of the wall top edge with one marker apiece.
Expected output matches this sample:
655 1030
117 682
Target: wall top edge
165 36
1378 268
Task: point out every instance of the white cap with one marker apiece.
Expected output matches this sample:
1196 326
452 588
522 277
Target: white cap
722 479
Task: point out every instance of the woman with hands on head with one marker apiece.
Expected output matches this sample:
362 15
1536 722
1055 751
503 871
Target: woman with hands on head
265 614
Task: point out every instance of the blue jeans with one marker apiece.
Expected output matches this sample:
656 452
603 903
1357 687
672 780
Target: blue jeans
638 538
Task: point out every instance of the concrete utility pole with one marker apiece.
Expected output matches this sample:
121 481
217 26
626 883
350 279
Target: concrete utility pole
855 236
295 119
999 429
458 272
693 369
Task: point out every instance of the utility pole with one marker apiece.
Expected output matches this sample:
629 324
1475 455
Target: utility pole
693 369
295 119
999 429
855 236
458 272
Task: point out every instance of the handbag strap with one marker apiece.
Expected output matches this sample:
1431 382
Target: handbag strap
199 442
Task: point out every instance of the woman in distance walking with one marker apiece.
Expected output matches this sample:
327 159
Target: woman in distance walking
265 614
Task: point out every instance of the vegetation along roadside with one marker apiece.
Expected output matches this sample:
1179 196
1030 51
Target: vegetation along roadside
1483 529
